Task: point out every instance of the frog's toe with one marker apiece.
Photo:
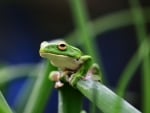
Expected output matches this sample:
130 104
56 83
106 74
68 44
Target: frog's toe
59 84
54 76
74 80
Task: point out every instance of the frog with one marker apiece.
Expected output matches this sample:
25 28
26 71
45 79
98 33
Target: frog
72 65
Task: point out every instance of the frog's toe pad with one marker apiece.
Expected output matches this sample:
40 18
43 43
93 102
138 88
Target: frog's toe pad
88 77
74 80
54 76
59 84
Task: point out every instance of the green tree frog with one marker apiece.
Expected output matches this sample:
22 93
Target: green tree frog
71 63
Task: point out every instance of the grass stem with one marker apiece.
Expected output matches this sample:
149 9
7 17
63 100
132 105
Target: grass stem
105 97
41 91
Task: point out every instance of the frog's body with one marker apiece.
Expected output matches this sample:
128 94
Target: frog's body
72 64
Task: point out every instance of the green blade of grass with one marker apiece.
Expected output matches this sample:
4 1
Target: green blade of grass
24 95
41 91
138 20
140 26
70 100
81 20
4 108
129 71
108 22
146 84
105 97
8 73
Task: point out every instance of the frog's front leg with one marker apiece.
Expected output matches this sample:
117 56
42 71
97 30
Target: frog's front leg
82 71
94 73
56 76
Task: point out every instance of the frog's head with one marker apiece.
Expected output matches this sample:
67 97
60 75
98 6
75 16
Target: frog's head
59 48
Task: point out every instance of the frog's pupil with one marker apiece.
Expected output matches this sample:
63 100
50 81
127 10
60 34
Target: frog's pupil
62 45
77 59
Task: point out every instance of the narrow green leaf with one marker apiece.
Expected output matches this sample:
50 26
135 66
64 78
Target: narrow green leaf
129 71
4 108
85 32
141 31
105 97
41 91
70 100
23 95
108 22
146 83
8 73
131 67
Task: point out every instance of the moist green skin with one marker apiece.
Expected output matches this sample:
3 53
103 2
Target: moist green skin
70 58
70 51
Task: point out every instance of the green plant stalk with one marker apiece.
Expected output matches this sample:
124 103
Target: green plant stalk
70 100
4 107
140 25
146 84
8 73
105 97
41 91
129 71
23 95
138 20
106 23
132 66
81 20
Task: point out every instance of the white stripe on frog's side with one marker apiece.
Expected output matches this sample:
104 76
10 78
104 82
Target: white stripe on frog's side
63 62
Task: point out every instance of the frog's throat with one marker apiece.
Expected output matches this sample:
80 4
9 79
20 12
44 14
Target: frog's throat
50 55
62 61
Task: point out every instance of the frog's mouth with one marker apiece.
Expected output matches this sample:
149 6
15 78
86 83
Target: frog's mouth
50 55
61 61
44 54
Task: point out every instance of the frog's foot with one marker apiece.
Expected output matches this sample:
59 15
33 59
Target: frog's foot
54 76
74 79
93 73
83 111
94 69
59 84
88 76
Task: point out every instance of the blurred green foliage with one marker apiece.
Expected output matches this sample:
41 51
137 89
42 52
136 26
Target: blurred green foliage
42 88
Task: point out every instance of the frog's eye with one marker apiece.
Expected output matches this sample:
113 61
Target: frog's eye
62 46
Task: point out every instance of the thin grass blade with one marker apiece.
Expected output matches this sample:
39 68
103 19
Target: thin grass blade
105 97
41 91
4 107
141 31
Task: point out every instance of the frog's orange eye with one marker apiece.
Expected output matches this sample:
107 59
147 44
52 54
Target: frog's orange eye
62 46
